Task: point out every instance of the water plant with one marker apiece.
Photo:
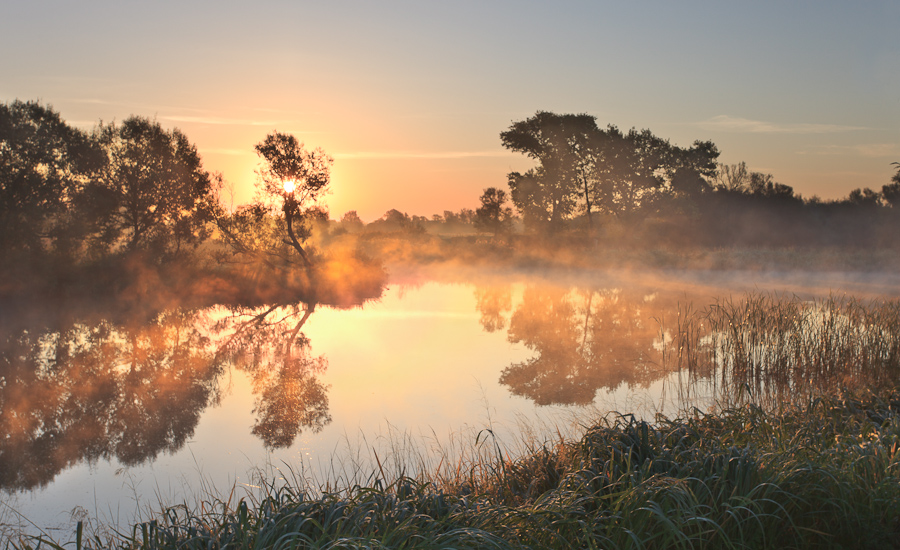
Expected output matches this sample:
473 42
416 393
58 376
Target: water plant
771 348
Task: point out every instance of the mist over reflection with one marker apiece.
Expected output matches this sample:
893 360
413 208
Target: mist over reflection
85 392
79 389
583 340
768 346
267 343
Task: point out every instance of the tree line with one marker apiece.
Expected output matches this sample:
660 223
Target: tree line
123 187
134 189
588 179
131 203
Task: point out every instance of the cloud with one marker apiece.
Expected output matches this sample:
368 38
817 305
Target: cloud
736 124
869 150
377 155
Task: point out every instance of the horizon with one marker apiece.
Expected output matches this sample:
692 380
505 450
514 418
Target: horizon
410 99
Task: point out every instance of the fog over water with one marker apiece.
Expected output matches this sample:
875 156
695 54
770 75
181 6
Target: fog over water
107 419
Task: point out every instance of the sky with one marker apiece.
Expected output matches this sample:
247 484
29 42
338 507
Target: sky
410 97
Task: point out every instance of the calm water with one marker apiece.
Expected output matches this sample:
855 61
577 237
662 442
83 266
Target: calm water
106 419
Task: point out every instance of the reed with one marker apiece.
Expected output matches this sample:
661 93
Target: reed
820 473
771 349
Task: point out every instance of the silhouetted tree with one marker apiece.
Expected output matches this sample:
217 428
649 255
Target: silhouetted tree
44 167
583 170
351 221
864 197
732 177
493 215
891 192
296 178
160 197
766 186
561 145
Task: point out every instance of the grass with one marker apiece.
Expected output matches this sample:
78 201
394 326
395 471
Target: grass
821 474
775 348
776 463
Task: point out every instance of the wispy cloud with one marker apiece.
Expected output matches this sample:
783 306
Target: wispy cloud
419 155
218 120
869 150
736 124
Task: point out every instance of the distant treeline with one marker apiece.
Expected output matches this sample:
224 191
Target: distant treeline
88 205
634 188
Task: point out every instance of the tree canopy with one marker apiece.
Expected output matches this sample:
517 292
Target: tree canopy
583 170
160 197
44 166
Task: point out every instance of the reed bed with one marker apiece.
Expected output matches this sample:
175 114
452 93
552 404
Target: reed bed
770 349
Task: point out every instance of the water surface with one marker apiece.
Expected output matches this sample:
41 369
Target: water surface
109 417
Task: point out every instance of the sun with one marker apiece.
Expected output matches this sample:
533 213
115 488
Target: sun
289 186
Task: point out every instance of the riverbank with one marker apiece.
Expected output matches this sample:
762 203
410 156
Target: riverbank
823 473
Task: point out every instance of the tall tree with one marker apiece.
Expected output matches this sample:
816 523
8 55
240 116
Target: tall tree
583 170
162 197
297 178
44 166
562 146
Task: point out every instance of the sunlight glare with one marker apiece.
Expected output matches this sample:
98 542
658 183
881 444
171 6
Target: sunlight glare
289 186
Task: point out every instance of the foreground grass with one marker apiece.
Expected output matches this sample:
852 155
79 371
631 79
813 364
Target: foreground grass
824 474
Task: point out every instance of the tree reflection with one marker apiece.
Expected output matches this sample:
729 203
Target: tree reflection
268 345
583 340
493 303
86 392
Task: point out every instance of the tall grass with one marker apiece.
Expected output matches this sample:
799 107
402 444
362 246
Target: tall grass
772 349
824 473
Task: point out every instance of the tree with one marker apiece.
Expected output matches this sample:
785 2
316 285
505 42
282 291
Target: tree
160 197
891 192
694 169
766 186
351 221
732 177
44 166
864 197
583 170
493 215
297 178
562 145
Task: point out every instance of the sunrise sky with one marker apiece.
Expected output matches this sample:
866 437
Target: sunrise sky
410 97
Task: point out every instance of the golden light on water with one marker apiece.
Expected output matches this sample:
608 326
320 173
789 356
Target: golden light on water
289 186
